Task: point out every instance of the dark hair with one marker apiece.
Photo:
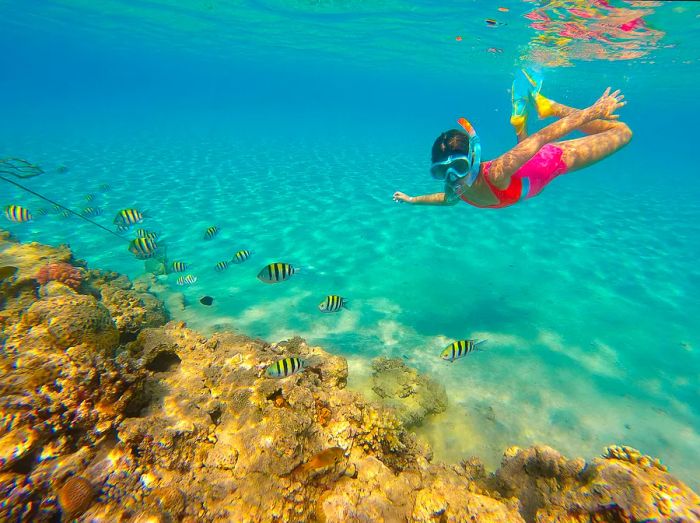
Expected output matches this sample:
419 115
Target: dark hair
450 142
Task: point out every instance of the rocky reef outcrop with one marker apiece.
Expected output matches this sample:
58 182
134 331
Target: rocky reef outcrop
110 415
410 394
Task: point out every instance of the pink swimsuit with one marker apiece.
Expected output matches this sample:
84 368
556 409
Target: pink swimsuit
529 180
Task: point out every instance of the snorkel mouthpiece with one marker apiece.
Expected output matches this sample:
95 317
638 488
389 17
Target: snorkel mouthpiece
474 155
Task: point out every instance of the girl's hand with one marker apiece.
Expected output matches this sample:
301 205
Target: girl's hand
401 197
607 104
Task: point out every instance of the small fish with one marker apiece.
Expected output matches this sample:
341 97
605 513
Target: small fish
123 228
57 209
186 280
7 272
65 213
178 266
332 303
491 22
15 213
104 187
143 247
221 266
42 212
503 9
276 272
495 50
325 458
241 256
62 169
211 232
143 233
92 211
89 197
285 367
206 300
128 217
459 349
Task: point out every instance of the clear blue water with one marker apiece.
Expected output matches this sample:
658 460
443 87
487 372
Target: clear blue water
290 124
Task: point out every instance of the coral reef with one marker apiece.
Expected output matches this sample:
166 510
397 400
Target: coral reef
109 415
61 272
624 485
410 394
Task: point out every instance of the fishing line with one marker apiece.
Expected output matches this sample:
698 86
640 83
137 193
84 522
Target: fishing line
28 170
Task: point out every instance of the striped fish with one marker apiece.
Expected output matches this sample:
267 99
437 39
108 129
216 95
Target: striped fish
332 303
42 212
143 233
178 266
211 232
276 272
459 349
104 187
65 213
241 256
186 280
221 266
92 211
128 217
15 213
143 247
285 367
89 197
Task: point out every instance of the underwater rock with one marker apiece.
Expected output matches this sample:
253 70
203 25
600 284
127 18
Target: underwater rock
68 321
615 488
412 395
133 310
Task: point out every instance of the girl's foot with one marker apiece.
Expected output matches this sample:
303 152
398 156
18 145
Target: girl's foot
542 104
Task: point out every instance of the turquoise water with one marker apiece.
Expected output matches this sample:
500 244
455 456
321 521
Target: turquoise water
290 124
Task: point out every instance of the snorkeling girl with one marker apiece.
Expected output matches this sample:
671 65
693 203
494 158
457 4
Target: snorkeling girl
536 160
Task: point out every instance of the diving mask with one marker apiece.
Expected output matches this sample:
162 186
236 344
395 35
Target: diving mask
460 166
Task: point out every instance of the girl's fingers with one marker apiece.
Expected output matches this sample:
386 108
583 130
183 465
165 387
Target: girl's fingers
614 95
606 92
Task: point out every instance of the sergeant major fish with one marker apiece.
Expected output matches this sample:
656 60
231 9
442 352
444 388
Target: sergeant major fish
459 349
276 272
221 266
285 367
143 247
211 232
332 303
91 211
143 233
178 266
18 214
128 217
241 256
186 280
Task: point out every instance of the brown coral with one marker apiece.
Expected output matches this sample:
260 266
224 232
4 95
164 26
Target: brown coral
75 496
60 272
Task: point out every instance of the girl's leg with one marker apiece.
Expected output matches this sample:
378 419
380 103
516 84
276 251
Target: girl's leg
606 136
546 107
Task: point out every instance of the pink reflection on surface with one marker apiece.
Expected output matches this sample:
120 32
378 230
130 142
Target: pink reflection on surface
569 30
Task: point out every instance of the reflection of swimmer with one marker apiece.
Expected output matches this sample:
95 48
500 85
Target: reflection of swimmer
528 167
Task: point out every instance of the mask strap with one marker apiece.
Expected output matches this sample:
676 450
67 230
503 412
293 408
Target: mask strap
474 150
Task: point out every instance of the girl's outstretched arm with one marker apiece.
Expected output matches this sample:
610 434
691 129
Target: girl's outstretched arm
438 198
506 165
